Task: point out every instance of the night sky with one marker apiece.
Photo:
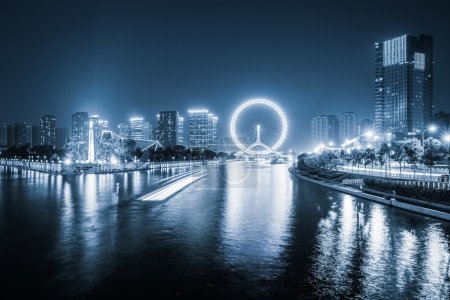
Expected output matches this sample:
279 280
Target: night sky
119 59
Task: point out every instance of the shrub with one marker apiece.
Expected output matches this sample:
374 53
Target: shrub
417 192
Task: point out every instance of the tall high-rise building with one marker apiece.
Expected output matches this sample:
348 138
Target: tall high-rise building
347 126
48 130
147 131
213 131
404 84
137 128
180 131
80 127
21 134
324 130
202 129
3 134
124 130
168 128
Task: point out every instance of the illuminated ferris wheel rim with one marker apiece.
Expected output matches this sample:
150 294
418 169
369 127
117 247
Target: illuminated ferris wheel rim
252 102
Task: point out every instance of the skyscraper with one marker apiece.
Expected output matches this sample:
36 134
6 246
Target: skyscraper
21 134
180 133
80 127
404 84
137 128
202 129
324 130
347 126
124 130
168 128
48 130
147 131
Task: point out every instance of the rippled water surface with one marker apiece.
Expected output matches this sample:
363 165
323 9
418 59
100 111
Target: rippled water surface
245 230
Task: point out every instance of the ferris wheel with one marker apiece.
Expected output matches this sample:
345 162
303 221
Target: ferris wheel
258 147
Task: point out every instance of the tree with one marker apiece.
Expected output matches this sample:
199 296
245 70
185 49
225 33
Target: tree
369 157
209 154
138 152
129 147
432 153
357 157
413 152
382 156
398 154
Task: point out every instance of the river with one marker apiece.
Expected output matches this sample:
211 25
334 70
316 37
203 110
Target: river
246 230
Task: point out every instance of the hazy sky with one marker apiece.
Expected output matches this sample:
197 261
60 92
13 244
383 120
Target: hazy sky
121 58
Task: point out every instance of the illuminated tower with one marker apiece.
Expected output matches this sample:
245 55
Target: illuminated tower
80 127
91 145
48 130
170 128
404 84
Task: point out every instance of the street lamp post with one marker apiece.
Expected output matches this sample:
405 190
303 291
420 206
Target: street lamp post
431 128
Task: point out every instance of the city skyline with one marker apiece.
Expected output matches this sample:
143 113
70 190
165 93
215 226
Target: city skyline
90 75
225 149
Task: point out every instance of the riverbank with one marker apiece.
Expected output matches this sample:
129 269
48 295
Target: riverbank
439 214
96 168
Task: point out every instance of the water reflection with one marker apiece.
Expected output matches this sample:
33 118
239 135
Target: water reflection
435 263
406 259
261 233
256 222
366 251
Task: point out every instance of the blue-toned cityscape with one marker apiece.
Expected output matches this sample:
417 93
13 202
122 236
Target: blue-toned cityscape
225 150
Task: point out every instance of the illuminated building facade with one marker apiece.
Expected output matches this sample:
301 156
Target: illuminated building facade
48 130
404 84
324 130
170 128
80 127
202 129
347 126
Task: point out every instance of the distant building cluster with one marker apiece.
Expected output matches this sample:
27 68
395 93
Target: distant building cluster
22 133
329 130
136 128
169 131
403 99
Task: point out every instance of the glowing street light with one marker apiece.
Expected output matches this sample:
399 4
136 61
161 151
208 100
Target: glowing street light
369 133
447 138
431 128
